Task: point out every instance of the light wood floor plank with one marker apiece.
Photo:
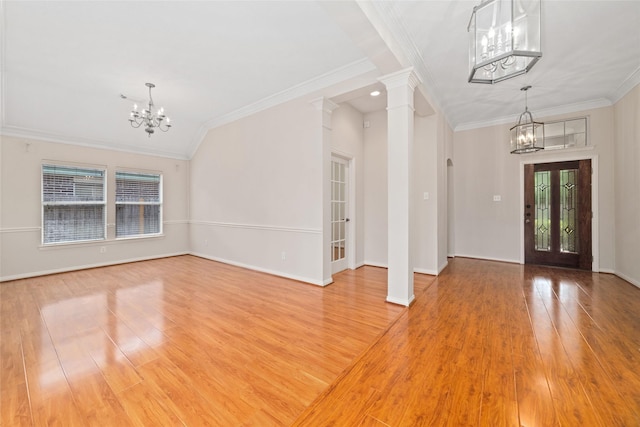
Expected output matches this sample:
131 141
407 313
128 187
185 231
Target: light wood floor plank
187 341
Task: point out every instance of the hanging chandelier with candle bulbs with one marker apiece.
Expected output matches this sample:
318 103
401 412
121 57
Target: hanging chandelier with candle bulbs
527 136
148 117
504 39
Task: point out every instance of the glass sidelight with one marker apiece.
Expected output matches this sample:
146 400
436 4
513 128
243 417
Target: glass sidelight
569 241
543 211
567 224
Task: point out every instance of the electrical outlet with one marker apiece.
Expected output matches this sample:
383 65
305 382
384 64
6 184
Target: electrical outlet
284 256
103 249
497 198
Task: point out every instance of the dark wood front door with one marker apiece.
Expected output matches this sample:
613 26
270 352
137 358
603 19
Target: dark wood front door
558 214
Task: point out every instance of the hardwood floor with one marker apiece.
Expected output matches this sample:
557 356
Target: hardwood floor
187 341
493 344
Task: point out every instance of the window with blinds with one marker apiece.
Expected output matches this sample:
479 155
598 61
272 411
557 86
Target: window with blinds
73 204
138 204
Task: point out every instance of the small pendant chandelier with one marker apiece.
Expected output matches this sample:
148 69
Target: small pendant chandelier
150 119
504 39
527 136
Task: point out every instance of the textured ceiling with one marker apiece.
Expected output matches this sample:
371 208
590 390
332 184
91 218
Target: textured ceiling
589 49
65 63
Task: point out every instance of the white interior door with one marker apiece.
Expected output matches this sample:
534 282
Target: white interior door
339 214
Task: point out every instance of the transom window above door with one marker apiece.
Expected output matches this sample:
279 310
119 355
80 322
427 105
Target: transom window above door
562 134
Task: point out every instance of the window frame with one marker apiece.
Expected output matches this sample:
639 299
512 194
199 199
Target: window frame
564 136
44 203
159 203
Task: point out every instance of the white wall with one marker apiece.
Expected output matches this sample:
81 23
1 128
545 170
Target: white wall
445 147
21 251
348 141
426 181
256 192
483 167
627 186
430 218
375 189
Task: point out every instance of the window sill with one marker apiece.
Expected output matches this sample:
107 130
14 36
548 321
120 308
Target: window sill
94 243
84 243
138 237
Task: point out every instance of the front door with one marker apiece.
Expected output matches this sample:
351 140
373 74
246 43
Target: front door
558 214
339 220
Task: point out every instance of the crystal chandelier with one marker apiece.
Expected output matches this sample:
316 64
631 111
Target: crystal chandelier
527 136
148 117
504 39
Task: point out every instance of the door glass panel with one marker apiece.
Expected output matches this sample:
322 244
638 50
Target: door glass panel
338 210
542 185
568 211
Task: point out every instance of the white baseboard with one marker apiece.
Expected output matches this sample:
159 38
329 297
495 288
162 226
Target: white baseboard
425 271
375 264
265 270
511 261
631 280
443 266
415 270
86 266
399 301
358 265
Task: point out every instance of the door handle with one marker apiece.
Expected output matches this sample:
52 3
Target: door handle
346 220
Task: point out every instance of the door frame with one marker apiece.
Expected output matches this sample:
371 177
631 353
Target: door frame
351 206
565 157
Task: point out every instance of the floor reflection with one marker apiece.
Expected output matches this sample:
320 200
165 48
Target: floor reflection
93 331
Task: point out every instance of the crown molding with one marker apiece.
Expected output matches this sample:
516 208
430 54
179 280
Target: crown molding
629 83
390 28
401 78
549 112
330 78
24 133
196 141
324 104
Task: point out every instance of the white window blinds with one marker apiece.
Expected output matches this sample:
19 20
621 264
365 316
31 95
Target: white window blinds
73 204
138 204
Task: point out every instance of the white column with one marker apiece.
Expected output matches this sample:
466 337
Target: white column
400 88
326 107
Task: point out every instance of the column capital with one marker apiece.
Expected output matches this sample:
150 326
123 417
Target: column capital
402 78
324 104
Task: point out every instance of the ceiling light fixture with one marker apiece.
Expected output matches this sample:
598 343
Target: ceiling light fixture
375 93
149 118
504 39
527 136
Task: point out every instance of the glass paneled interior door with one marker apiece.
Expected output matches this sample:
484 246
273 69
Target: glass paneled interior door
339 212
558 214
